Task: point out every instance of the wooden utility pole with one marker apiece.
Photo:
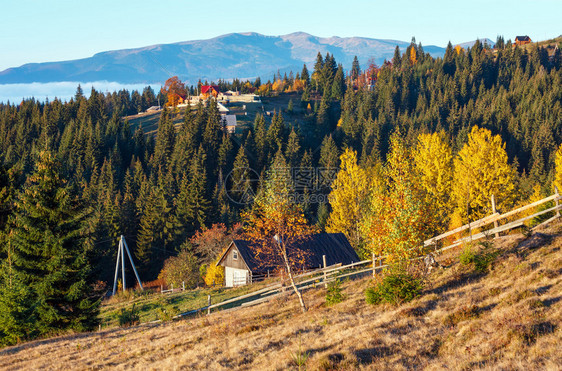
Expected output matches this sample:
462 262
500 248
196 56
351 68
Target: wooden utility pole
121 250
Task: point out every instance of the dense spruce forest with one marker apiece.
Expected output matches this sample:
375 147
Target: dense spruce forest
75 175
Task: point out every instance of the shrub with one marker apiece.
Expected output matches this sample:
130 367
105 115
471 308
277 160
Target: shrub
481 260
167 313
467 256
395 288
129 317
213 275
334 294
181 268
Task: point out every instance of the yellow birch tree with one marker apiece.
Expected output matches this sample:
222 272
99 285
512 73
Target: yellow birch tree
558 171
348 198
397 220
433 161
482 170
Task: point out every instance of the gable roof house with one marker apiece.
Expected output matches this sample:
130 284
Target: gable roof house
208 90
240 264
522 40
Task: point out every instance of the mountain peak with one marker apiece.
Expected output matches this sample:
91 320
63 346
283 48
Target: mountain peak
235 55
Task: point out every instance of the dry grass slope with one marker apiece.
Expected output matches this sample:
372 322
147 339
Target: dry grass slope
507 317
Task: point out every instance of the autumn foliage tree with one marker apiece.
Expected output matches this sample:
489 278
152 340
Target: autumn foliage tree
433 163
348 198
397 219
208 245
181 269
210 242
482 170
175 90
558 169
277 224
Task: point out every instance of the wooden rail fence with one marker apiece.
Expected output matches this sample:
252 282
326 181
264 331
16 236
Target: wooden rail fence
326 274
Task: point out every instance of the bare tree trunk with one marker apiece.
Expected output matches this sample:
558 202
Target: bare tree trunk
292 279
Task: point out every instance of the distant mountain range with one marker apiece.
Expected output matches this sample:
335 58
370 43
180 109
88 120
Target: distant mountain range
237 55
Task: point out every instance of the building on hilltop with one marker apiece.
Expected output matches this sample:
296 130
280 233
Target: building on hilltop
522 40
210 90
241 266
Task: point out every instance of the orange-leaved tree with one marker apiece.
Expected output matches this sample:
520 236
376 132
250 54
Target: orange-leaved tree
209 244
276 225
175 90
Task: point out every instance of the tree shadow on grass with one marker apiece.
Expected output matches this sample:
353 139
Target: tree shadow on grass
549 302
369 355
104 334
462 280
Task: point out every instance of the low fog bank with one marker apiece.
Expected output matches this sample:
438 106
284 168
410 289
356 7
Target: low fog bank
15 93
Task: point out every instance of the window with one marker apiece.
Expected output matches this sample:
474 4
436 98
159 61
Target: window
234 255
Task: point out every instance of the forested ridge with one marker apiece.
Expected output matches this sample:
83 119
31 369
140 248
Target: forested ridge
75 176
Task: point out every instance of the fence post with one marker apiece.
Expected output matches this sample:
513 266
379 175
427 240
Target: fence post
557 202
374 264
325 274
497 234
208 304
182 285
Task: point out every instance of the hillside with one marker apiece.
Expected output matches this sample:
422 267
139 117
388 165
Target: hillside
236 55
507 315
549 44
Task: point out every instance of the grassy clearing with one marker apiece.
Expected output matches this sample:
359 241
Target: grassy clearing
504 314
154 306
244 117
149 121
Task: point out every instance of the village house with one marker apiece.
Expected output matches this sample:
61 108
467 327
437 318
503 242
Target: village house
229 122
242 268
209 90
522 40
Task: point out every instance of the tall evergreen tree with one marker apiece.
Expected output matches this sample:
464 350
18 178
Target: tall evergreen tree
317 74
165 140
397 58
355 68
51 254
192 203
338 85
305 75
276 133
292 153
260 140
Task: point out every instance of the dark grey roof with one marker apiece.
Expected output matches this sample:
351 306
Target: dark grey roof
522 38
335 246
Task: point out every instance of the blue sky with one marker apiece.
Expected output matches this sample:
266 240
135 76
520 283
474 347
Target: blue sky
40 31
